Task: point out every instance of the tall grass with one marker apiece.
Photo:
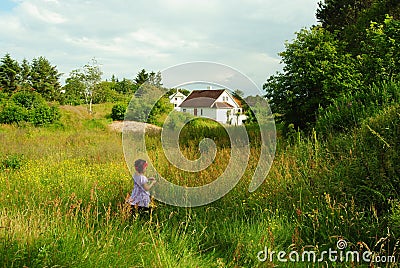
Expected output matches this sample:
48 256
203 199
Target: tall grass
63 204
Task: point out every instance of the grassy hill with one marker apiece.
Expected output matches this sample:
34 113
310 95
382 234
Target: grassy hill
63 190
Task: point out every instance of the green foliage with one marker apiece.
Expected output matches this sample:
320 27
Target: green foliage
350 109
147 106
43 115
141 77
381 52
118 112
30 107
138 111
125 86
378 173
78 196
348 19
105 93
9 74
13 161
91 75
159 111
27 99
13 113
74 89
45 78
394 219
315 72
336 15
368 169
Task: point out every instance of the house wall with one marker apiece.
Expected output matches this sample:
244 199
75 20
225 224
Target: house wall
207 112
188 110
176 101
226 97
222 116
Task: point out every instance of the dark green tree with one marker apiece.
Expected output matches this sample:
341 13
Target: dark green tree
141 77
315 72
25 75
9 74
348 19
337 15
45 78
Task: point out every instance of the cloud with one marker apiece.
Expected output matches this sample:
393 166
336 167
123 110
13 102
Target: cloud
126 36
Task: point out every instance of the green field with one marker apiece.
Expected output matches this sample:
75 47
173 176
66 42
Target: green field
63 189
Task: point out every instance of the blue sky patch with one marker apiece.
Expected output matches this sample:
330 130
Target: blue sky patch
7 5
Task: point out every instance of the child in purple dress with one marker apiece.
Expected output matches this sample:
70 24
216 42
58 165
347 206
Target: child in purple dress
140 197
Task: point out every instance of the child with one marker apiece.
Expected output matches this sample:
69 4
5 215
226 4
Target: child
140 197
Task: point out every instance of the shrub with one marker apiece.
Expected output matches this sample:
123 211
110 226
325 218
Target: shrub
12 113
118 112
30 107
43 115
27 99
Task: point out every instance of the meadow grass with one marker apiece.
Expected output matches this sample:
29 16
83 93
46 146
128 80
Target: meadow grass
62 204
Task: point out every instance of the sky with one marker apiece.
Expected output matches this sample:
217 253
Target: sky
127 36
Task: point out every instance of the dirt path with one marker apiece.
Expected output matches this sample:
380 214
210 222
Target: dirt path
131 126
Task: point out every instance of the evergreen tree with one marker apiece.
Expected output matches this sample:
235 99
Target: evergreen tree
9 74
25 75
45 78
141 77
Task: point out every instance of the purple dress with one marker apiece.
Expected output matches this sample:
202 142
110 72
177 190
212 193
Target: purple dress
139 195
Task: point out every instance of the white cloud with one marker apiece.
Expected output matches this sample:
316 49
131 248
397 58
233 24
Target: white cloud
126 36
41 13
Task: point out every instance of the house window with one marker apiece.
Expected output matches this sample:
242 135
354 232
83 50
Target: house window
201 111
176 99
175 105
184 110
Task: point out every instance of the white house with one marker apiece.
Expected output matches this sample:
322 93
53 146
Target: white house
176 99
218 105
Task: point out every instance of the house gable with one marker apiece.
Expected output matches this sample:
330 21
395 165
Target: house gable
209 98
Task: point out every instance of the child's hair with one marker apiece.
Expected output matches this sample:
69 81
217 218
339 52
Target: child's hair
140 165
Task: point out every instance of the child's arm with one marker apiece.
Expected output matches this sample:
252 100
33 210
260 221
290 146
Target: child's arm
147 186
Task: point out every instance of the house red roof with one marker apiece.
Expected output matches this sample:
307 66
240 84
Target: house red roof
205 98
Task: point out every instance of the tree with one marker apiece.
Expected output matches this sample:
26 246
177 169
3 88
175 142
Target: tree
74 89
91 79
141 77
155 79
315 72
158 80
9 74
381 52
348 19
25 75
336 15
45 78
125 86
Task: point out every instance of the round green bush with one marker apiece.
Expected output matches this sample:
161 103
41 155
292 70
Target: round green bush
28 99
43 115
13 113
118 112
